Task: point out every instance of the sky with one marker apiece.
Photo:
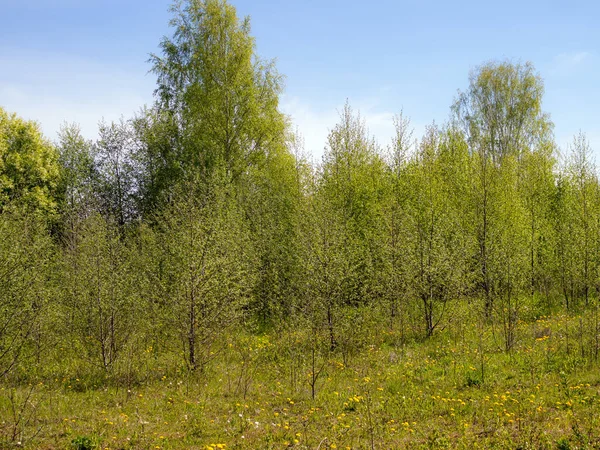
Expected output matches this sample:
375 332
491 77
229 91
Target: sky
86 60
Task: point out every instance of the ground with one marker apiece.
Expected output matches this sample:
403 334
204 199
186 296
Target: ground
457 389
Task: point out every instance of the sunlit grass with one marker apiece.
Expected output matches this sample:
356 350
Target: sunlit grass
256 394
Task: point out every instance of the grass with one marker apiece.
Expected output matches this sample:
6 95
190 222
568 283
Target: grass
458 389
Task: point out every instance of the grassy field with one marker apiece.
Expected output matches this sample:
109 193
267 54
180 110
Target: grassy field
457 389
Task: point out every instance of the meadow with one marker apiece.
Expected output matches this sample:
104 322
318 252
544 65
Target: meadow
457 389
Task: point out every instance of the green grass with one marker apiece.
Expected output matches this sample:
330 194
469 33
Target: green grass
255 394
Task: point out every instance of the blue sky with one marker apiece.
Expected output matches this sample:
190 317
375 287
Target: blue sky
84 60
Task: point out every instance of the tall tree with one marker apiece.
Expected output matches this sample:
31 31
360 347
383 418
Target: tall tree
501 115
222 98
501 111
217 122
581 172
158 157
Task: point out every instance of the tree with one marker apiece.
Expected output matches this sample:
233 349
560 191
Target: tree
537 185
581 173
206 269
222 98
29 170
501 111
217 122
159 159
26 253
115 181
564 238
76 160
99 295
326 266
352 182
508 263
393 276
501 116
272 197
437 242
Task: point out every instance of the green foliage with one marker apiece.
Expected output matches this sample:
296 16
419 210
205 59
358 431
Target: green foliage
206 270
352 185
272 201
159 159
26 254
224 99
29 170
217 120
100 301
115 181
437 246
76 188
501 111
201 274
83 443
585 207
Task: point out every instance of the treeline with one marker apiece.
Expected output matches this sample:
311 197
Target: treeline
203 213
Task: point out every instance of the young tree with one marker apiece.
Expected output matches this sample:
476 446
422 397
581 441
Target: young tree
393 276
207 269
272 203
353 182
436 241
564 238
326 266
26 253
586 207
100 299
537 185
509 260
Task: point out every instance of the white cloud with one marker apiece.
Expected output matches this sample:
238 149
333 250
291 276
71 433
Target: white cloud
565 63
52 111
564 140
58 88
314 123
